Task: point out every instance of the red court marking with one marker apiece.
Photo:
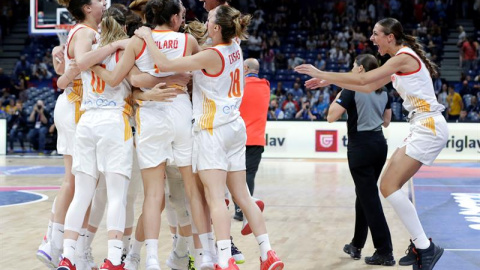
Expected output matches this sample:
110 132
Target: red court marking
15 188
447 172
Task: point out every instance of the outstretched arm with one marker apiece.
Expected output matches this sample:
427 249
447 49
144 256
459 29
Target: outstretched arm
362 82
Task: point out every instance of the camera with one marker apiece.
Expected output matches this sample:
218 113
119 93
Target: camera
39 107
271 108
307 107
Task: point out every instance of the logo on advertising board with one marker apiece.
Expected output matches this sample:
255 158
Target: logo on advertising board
326 141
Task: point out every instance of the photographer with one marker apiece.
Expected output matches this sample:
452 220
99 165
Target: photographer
39 118
306 112
275 113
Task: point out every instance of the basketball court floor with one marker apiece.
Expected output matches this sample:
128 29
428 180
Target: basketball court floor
309 213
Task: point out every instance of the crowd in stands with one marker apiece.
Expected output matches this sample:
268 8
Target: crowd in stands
283 34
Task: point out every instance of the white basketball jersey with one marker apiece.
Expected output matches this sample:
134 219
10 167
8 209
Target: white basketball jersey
99 95
216 98
416 88
172 44
74 89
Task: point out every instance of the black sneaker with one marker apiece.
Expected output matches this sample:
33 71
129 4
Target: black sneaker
355 253
237 254
238 215
410 257
427 258
377 259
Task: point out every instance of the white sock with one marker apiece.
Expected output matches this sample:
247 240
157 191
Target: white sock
57 235
182 246
49 231
89 238
69 246
191 245
408 215
198 255
152 247
126 243
115 248
81 241
264 243
136 247
174 240
224 249
206 243
211 242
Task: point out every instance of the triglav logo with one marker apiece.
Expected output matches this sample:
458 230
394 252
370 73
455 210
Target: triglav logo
326 141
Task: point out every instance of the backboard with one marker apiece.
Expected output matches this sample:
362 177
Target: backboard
46 14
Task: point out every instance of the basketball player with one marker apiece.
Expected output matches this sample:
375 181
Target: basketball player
410 72
219 145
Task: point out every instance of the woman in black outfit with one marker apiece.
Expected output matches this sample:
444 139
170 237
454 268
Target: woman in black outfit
367 153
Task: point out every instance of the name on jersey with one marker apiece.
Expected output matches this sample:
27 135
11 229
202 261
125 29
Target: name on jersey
167 44
234 56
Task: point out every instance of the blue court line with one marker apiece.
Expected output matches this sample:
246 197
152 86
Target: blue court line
31 170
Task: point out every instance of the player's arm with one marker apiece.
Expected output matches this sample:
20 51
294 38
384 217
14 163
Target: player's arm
85 56
124 65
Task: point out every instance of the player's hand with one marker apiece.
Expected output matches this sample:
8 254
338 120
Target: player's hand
57 53
315 83
121 44
72 70
307 69
143 32
182 78
160 93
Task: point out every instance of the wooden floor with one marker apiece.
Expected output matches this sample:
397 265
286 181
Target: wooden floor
309 214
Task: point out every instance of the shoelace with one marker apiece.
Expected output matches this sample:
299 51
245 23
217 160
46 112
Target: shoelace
410 247
419 258
88 255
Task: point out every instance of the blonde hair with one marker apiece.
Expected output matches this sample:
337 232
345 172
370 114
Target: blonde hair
113 23
232 22
198 30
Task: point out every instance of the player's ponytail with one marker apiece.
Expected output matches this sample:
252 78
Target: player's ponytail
232 22
113 26
75 8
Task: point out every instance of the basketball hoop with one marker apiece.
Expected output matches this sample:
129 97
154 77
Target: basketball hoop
62 32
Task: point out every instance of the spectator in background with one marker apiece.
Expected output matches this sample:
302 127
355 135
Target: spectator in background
39 70
306 112
442 98
455 104
320 63
253 110
22 65
280 91
311 44
268 57
254 45
321 108
297 91
275 113
466 89
290 106
39 118
468 52
20 86
473 108
274 41
294 61
16 123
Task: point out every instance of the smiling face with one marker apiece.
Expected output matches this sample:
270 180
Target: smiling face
380 40
212 27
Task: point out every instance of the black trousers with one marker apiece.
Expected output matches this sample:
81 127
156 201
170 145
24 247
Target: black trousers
253 156
367 153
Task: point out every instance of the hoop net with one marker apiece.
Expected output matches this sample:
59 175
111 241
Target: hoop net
62 32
